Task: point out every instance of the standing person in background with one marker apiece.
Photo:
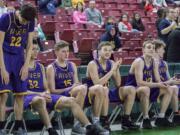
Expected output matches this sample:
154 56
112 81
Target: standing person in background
16 31
166 26
161 13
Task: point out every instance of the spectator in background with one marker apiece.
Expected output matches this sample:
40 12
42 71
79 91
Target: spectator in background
39 36
75 3
79 16
176 14
48 6
137 22
161 13
110 21
166 26
93 14
159 3
148 7
4 9
111 35
173 54
124 24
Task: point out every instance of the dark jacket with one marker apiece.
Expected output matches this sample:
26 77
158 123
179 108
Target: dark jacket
138 25
173 54
108 37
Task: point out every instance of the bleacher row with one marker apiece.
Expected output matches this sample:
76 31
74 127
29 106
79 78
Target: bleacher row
88 37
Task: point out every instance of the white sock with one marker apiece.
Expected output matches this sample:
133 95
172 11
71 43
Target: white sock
95 120
87 125
161 115
146 117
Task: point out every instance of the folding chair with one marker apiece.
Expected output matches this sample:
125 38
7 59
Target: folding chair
60 125
116 111
152 105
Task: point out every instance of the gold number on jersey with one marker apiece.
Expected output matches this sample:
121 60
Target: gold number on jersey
33 84
16 41
67 83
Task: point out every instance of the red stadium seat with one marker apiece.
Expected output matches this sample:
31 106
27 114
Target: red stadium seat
85 45
121 54
49 27
67 35
49 44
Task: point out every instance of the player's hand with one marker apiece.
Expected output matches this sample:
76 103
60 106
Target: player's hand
4 76
47 97
24 72
117 64
163 85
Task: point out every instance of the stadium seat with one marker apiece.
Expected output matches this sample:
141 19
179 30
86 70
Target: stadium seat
67 35
49 44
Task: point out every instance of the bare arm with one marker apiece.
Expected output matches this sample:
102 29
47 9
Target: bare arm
76 81
92 69
117 78
2 65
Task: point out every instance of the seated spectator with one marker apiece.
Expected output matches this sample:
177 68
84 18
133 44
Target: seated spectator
48 6
111 35
79 17
110 21
137 22
161 13
75 3
93 14
124 24
39 36
159 3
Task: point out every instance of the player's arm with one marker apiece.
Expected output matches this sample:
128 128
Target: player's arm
51 81
76 80
156 70
24 69
45 80
117 77
92 69
138 70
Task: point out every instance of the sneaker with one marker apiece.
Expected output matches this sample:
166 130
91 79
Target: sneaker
91 130
100 129
3 132
176 119
78 130
147 124
105 123
127 124
20 131
52 131
163 122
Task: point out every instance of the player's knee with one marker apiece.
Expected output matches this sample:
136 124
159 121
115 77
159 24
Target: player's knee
71 101
169 91
99 93
83 90
40 102
146 91
131 90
